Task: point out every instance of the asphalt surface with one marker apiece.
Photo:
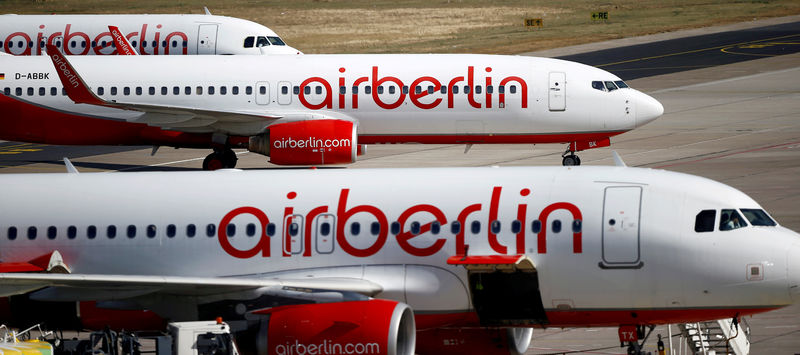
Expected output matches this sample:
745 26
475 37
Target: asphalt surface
696 52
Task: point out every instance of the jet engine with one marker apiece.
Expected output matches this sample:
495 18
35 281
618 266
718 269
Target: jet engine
354 327
489 341
309 142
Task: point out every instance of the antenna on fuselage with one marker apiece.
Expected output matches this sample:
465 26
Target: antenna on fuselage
617 159
205 8
70 168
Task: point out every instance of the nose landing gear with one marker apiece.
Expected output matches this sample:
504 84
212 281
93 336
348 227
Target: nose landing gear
631 334
221 158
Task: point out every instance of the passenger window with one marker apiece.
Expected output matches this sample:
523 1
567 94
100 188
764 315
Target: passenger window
250 230
430 89
91 232
495 226
758 217
512 89
415 228
211 229
294 229
31 233
235 90
455 227
367 89
392 89
42 91
199 90
436 227
12 233
263 90
475 227
405 89
131 231
171 230
100 91
126 91
478 89
151 90
18 91
318 90
151 231
610 86
730 219
466 89
490 89
325 229
72 232
223 90
501 89
191 230
354 90
355 228
211 90
164 90
187 90
395 228
230 230
270 229
418 89
516 226
114 90
307 90
455 89
248 90
536 226
380 90
577 226
704 221
111 232
443 90
556 226
7 91
138 91
30 91
51 232
296 90
176 90
375 228
249 41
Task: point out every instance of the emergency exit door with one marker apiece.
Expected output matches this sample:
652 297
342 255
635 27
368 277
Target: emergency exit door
557 97
621 217
207 39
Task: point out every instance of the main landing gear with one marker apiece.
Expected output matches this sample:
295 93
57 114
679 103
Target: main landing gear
629 334
570 159
221 158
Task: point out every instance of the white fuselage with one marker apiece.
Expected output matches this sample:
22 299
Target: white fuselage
26 35
603 239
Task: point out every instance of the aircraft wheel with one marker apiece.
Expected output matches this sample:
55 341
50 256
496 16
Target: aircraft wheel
213 161
571 160
229 159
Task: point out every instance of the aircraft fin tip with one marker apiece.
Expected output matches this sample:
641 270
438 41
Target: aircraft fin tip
70 168
617 159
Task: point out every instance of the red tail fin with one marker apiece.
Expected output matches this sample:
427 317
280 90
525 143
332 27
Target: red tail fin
123 46
76 88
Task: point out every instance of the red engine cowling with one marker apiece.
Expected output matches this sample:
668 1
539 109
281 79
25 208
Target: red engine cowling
310 142
356 327
483 341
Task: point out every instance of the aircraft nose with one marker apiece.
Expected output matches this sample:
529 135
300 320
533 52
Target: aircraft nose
793 274
647 109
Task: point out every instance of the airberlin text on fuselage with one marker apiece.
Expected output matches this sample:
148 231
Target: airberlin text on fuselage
343 213
11 43
325 99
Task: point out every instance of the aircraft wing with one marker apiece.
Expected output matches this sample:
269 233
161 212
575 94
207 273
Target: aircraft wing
191 119
125 286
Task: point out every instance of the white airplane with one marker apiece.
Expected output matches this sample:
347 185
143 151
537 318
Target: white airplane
27 35
315 109
399 261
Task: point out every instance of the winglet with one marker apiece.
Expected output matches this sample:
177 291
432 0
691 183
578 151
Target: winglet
76 88
617 159
123 46
70 168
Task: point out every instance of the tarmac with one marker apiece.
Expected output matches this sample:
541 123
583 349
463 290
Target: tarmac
736 123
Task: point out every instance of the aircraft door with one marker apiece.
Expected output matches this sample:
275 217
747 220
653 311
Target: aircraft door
207 39
621 217
262 93
284 93
557 97
293 234
324 228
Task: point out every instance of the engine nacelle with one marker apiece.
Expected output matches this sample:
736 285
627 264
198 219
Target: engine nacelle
356 327
484 341
310 142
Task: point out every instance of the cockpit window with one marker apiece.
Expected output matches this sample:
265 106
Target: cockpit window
758 217
621 84
704 221
598 85
610 86
276 41
248 42
262 41
730 220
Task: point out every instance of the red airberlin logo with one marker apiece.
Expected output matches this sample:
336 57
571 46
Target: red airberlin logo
344 211
21 43
430 96
310 142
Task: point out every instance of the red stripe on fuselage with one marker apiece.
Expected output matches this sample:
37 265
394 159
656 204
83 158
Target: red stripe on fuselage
599 318
498 138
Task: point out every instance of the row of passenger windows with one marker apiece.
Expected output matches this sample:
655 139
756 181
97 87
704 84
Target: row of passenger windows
609 85
393 89
250 230
234 90
93 44
730 219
